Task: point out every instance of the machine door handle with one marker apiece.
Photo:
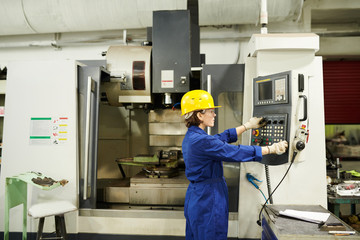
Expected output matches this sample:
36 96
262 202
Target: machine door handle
305 108
87 136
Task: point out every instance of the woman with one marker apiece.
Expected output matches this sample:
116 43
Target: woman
206 203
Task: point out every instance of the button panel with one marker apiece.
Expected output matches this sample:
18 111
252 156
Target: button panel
274 131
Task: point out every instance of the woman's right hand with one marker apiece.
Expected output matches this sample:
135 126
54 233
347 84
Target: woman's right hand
278 148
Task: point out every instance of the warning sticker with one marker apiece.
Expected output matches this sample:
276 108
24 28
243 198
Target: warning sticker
48 130
167 79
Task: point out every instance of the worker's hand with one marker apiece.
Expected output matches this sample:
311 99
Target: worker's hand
278 148
255 122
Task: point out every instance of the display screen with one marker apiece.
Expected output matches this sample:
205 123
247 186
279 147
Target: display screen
265 90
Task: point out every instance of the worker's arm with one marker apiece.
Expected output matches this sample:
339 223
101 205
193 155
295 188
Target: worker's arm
240 130
278 148
265 151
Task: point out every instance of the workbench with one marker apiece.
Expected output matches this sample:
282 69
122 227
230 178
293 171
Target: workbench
277 227
336 200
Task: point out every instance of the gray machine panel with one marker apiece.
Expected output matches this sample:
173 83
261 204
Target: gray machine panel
171 54
272 100
226 78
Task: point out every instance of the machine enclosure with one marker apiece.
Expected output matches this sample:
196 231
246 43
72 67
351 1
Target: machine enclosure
171 53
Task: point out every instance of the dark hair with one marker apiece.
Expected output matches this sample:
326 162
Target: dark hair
193 120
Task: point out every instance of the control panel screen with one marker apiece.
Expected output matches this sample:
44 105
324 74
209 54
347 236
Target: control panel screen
270 90
265 91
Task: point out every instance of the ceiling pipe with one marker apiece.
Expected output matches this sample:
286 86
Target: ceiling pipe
125 36
263 17
19 17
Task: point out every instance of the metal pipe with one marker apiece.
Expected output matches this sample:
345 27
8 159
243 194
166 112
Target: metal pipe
124 36
264 17
22 17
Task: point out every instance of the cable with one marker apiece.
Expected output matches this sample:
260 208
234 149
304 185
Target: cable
175 105
292 161
251 179
262 194
268 184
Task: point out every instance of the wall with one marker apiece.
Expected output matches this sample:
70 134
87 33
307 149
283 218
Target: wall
43 96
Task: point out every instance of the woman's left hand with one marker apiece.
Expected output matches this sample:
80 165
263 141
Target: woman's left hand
255 122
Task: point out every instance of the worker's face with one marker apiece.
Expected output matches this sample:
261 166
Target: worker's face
207 118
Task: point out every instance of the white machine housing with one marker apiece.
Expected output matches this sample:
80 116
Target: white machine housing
306 181
129 67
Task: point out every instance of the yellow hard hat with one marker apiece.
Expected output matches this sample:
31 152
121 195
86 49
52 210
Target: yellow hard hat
196 100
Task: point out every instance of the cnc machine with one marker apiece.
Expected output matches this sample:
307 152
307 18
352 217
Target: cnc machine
123 153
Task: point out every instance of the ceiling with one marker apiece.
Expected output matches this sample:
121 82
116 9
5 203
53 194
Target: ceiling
68 22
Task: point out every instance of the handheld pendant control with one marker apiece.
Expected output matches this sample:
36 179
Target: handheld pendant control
300 138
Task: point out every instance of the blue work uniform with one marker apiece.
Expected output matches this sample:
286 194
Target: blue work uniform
206 206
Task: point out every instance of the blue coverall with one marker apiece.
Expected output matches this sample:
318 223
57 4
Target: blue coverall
206 206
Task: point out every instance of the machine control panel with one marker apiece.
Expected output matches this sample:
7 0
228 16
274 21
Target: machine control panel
272 100
274 131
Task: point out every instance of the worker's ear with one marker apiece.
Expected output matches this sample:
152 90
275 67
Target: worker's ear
200 116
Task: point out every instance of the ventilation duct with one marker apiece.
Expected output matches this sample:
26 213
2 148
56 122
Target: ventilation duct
18 17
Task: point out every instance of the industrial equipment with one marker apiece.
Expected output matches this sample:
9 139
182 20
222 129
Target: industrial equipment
283 83
277 99
122 154
146 80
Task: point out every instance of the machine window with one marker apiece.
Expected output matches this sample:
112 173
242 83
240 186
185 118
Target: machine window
139 75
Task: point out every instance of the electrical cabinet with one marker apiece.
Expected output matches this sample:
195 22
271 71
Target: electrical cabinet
171 54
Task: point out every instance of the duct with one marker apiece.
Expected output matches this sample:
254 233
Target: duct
113 37
39 40
19 17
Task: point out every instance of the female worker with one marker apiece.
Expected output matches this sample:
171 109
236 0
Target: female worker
206 202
